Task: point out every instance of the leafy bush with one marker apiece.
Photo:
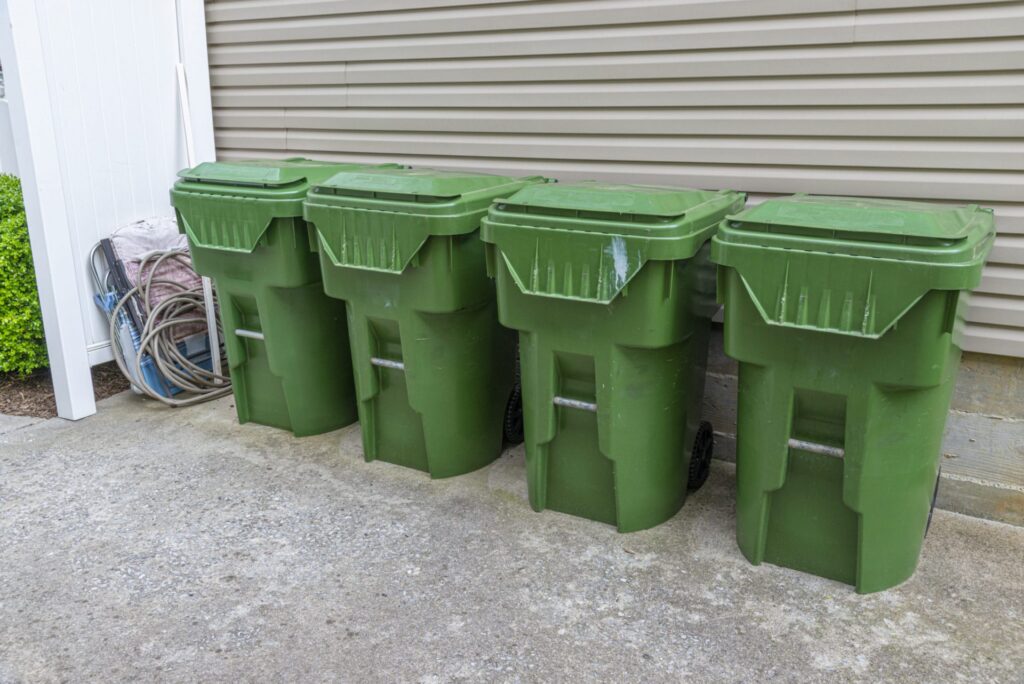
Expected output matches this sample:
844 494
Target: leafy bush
22 348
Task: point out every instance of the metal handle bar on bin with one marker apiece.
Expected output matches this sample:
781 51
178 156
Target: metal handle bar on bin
387 363
816 448
251 334
577 404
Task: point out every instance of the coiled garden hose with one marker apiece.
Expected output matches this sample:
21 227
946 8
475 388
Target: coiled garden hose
157 340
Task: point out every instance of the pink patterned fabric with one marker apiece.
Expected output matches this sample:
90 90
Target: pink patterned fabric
134 242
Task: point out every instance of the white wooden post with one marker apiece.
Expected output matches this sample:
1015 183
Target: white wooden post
28 95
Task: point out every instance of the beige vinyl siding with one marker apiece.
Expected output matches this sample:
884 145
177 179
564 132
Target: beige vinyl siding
894 98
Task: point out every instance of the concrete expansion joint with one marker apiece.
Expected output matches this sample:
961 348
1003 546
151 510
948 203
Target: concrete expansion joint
1008 419
987 483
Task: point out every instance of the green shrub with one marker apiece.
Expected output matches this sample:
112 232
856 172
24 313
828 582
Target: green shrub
22 347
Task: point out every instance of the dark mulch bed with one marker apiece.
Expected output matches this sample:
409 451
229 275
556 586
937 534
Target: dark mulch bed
33 396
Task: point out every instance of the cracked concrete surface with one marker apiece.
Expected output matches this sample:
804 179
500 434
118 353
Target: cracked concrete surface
175 545
12 423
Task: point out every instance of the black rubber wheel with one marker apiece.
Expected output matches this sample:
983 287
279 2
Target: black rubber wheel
700 459
514 417
935 496
513 426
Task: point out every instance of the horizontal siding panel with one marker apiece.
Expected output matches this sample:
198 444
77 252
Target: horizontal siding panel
1002 279
266 138
961 122
937 23
894 98
811 61
995 55
1008 249
1010 218
864 5
934 90
247 10
991 339
900 154
250 118
997 310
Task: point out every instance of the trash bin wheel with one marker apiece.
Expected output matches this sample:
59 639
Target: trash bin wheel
514 416
700 459
513 426
935 496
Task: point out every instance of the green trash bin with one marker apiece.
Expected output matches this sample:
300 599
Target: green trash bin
433 367
844 315
286 340
612 292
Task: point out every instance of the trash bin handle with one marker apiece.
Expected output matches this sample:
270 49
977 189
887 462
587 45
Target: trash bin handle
816 448
386 363
575 404
251 334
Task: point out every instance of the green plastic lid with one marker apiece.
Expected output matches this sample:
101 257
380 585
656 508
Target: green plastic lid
410 184
593 199
263 173
865 220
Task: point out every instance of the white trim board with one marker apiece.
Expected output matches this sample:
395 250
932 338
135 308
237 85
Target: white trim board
100 352
195 56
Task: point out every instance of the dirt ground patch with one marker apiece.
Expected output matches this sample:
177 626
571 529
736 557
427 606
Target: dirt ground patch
33 395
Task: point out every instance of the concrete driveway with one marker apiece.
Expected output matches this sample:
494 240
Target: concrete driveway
174 545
